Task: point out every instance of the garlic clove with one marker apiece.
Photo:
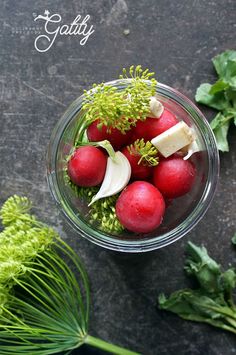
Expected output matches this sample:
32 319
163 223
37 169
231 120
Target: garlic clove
156 108
117 176
191 149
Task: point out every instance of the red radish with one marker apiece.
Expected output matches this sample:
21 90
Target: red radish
115 137
87 166
152 127
174 177
138 171
140 207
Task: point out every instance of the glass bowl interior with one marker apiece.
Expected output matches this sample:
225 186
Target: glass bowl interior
181 214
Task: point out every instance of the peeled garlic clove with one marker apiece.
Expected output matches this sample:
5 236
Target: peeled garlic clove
117 175
192 148
156 108
173 139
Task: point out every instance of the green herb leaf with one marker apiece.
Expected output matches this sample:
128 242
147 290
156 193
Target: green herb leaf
105 144
220 85
200 265
221 96
234 239
204 96
220 126
192 305
212 301
223 65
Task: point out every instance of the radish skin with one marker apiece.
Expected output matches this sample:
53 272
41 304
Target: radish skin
87 166
174 177
139 171
115 137
140 207
152 127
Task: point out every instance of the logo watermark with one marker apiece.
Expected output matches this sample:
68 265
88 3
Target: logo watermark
53 27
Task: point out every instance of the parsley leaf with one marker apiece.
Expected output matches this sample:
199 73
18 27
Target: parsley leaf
233 240
212 302
221 96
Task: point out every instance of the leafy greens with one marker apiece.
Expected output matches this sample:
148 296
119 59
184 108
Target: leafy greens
221 96
212 302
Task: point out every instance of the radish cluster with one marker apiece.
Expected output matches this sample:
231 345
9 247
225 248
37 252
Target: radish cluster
141 205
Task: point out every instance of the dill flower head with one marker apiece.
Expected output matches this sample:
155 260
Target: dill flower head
13 209
22 239
121 109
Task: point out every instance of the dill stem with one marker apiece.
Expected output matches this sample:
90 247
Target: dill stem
103 345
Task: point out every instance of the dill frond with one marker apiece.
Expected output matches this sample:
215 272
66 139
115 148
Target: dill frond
22 239
146 151
121 109
102 212
14 208
48 311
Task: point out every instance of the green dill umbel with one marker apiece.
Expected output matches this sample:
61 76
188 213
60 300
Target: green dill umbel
22 239
146 151
102 212
48 311
121 109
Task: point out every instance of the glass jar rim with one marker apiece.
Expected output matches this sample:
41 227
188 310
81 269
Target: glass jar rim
141 245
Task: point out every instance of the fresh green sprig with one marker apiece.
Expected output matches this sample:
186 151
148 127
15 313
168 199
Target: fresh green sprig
121 109
14 209
22 239
146 151
212 302
142 86
105 144
137 73
103 102
101 212
48 312
70 184
86 193
221 96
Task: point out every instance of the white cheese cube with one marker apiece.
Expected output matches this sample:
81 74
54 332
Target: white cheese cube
174 139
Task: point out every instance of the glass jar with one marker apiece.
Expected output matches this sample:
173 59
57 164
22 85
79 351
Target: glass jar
181 215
